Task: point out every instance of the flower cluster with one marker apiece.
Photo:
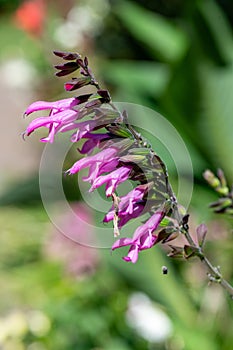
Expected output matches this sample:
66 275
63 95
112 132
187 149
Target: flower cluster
115 153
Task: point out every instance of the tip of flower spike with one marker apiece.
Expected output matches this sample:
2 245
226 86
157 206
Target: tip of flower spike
67 68
67 55
77 83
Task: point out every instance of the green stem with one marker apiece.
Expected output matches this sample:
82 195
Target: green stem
215 275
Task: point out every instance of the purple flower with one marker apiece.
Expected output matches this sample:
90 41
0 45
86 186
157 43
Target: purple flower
124 216
143 237
112 180
100 168
84 128
130 206
57 122
93 141
55 106
61 117
100 163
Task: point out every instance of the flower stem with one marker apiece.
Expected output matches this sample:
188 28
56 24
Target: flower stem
214 273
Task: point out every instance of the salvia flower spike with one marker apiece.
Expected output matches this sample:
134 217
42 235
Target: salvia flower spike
121 154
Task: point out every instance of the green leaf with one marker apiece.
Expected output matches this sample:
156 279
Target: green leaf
142 78
190 251
167 235
217 123
218 26
177 252
119 130
164 40
165 222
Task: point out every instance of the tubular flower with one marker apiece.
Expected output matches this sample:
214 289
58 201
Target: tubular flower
119 154
84 128
97 163
61 118
130 206
60 122
55 107
143 237
112 179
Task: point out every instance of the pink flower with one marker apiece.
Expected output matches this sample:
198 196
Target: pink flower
124 217
93 141
112 180
55 106
84 128
142 239
94 162
61 117
130 206
100 168
59 122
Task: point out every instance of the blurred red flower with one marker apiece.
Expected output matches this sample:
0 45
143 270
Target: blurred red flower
30 16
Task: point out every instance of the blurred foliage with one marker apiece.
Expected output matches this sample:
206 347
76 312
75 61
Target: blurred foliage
184 70
30 48
27 192
176 57
90 312
8 6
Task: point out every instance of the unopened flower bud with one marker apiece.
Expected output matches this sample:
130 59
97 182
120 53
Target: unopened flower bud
212 180
224 191
221 177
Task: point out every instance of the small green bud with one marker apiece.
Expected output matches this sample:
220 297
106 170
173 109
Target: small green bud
223 190
221 177
229 211
212 180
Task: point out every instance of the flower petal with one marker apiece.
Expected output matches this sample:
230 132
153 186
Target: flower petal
122 242
147 241
102 157
37 123
132 255
112 180
58 105
150 224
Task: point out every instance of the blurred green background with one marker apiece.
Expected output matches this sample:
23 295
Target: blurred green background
174 56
